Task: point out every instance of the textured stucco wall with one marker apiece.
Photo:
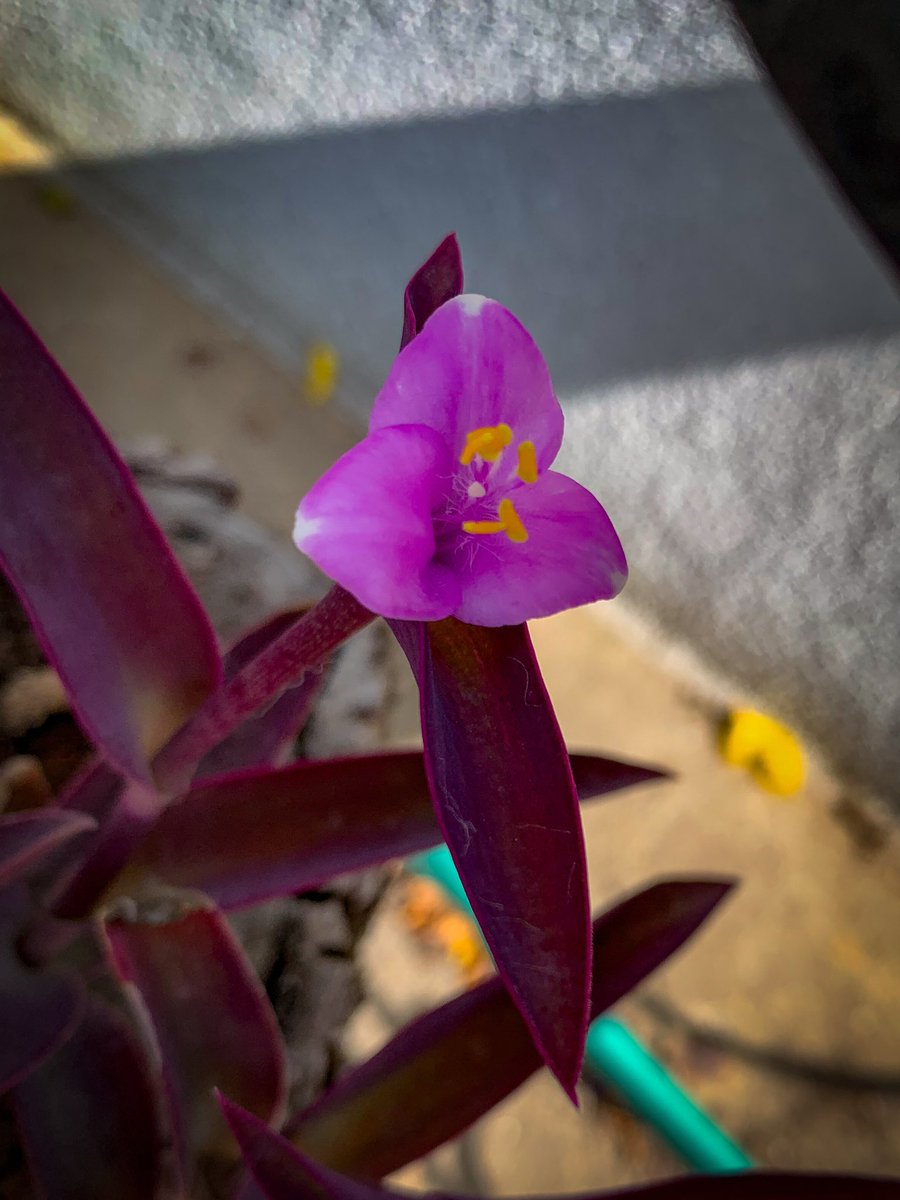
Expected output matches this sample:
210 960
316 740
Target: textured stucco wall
725 344
113 75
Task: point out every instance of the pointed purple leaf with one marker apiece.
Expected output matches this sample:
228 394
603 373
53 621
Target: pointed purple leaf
90 1115
93 795
113 610
438 280
213 1024
247 837
282 1172
281 664
129 808
451 1066
38 1008
27 838
265 738
505 799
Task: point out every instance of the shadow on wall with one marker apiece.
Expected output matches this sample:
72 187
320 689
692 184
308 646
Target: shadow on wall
634 236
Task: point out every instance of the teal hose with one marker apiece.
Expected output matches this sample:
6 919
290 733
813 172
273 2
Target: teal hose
615 1056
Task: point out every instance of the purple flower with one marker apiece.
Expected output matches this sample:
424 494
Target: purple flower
448 506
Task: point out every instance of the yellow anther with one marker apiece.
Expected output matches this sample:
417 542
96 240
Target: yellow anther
483 526
488 443
509 523
512 522
528 471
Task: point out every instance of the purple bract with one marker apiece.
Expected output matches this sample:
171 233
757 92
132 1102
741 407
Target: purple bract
448 507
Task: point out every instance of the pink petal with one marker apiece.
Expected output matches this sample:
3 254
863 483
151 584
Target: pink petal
573 556
473 364
367 524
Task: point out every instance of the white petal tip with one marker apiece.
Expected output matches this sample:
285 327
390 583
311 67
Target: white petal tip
471 303
304 529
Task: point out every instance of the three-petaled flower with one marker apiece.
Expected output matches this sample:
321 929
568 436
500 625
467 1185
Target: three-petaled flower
448 506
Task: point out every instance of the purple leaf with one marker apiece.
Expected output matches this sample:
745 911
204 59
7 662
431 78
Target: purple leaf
26 838
281 1172
451 1066
281 664
246 837
95 791
284 1173
438 279
89 1116
111 607
213 1023
127 808
38 1008
505 799
263 739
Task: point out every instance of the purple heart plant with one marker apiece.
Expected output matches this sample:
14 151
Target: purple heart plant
126 1003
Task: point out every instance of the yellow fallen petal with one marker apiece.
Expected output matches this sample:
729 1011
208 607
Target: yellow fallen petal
322 370
770 751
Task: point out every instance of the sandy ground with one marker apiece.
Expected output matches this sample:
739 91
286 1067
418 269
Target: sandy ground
784 1016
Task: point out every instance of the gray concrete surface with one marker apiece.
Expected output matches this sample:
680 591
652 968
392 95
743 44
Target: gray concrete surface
722 337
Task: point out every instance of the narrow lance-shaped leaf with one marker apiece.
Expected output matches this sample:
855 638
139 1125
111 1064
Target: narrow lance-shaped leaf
90 1115
438 279
113 610
281 663
505 799
451 1066
180 968
263 738
281 1172
38 1008
27 838
128 807
93 794
246 837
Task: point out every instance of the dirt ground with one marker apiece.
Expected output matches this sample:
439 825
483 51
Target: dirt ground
783 1017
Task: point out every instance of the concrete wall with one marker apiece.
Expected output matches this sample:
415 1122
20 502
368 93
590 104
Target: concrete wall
724 341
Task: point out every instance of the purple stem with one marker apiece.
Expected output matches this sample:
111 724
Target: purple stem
302 647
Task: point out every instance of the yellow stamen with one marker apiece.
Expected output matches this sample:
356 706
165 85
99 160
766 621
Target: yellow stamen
528 471
483 526
512 522
488 443
509 523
